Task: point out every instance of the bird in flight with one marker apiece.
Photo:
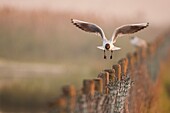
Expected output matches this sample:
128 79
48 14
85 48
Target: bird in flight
108 45
138 42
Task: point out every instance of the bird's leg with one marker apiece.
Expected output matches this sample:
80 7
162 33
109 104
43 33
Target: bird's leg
104 55
111 54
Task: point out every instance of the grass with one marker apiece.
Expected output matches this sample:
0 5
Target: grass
35 92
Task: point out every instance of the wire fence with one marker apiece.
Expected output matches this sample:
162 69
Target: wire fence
130 86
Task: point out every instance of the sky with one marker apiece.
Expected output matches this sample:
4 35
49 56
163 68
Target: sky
155 11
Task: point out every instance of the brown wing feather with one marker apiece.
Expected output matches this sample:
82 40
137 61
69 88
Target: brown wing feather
88 27
129 29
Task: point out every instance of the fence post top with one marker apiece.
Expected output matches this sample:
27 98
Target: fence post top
129 55
98 85
111 73
109 70
105 77
123 61
117 69
88 87
102 74
69 90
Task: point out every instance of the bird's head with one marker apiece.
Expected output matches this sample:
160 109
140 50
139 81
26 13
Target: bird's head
107 46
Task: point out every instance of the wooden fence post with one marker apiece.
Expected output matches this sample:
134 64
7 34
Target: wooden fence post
130 61
124 65
117 69
111 73
98 85
143 53
88 87
70 93
105 77
136 57
94 95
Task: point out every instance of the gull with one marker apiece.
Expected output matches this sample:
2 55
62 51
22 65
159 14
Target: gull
138 42
118 32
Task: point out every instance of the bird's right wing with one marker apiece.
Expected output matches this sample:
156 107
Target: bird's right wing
88 27
127 29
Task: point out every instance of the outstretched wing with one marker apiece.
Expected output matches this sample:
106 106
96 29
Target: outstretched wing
88 27
127 29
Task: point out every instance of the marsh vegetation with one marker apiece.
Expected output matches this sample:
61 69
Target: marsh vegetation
41 51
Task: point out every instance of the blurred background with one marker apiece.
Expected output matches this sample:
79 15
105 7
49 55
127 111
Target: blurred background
40 50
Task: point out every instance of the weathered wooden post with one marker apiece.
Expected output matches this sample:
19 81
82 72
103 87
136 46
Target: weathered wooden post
124 65
105 77
70 93
131 64
88 87
117 69
143 53
98 85
111 73
99 93
136 57
140 54
130 61
88 92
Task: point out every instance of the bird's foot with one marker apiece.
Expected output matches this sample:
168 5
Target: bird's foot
104 56
111 54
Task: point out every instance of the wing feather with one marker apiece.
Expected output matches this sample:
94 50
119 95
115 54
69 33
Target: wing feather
88 27
128 29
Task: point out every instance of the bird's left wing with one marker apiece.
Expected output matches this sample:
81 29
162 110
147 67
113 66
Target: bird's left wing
88 27
127 29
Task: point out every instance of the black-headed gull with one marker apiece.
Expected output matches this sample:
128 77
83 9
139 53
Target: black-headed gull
108 44
138 42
